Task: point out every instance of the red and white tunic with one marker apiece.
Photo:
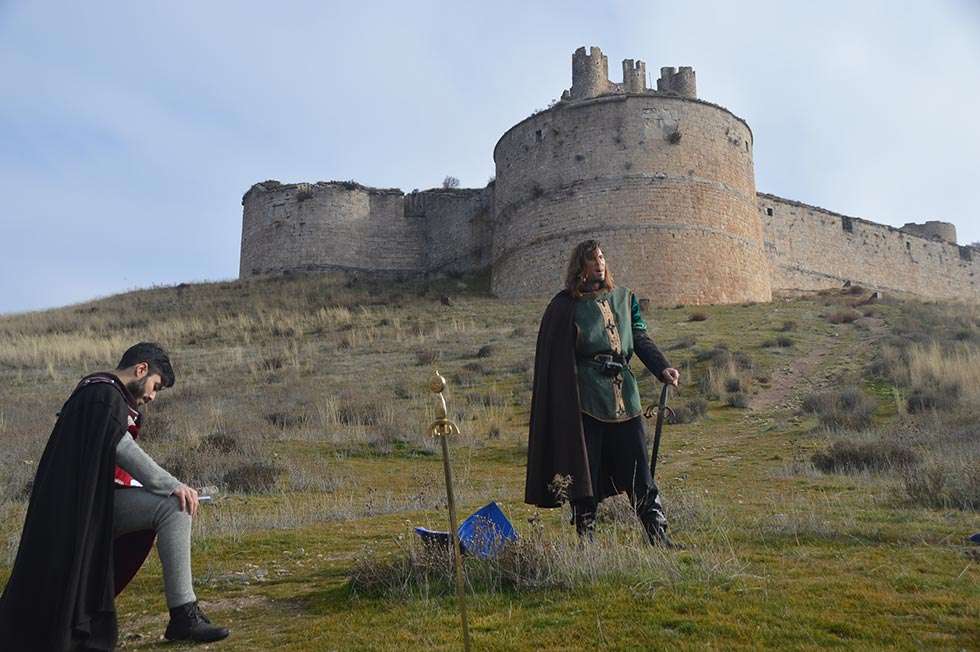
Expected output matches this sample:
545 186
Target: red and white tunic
135 420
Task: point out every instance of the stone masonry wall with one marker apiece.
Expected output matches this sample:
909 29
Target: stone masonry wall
663 182
810 248
457 227
337 225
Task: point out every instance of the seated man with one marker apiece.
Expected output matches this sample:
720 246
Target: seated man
97 502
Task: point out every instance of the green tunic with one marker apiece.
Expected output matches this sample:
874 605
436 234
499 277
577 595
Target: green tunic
604 323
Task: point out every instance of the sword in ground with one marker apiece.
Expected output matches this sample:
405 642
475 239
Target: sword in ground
442 427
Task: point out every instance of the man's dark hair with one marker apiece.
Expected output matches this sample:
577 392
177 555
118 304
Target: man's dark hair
154 356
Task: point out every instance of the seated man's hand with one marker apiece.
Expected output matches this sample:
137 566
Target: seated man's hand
671 376
187 497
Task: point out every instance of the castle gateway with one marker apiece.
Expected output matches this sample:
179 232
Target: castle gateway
660 177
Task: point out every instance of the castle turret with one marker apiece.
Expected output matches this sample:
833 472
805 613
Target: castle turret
651 175
933 230
634 76
679 81
590 74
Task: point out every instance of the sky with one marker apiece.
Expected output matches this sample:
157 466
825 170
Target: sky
130 131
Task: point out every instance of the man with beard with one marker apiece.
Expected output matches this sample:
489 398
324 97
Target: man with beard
586 439
97 503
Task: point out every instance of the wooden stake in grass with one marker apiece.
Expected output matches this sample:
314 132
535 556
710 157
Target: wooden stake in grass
442 427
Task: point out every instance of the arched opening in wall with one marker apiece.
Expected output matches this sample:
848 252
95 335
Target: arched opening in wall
966 253
769 211
847 223
538 136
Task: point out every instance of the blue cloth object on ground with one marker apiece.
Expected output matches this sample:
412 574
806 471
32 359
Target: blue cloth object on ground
434 537
975 538
483 533
486 531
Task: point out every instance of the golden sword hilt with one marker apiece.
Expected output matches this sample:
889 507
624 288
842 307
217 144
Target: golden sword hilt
442 426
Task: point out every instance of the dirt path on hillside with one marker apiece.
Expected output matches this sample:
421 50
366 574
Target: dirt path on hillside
790 382
792 379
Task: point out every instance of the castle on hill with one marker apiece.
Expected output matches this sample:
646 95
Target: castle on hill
664 179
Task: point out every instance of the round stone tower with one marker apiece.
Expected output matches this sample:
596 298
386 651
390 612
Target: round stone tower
665 181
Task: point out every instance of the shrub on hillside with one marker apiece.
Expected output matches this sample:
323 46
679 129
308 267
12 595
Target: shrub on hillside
879 455
285 419
942 398
689 412
220 442
425 357
697 316
838 409
737 400
359 413
717 356
254 477
945 483
486 351
685 342
843 316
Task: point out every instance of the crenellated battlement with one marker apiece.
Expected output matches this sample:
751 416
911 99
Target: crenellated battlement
590 78
678 81
634 76
590 74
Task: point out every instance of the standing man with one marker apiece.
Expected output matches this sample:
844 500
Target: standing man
97 503
586 439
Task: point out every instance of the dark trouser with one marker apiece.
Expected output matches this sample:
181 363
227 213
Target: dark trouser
617 463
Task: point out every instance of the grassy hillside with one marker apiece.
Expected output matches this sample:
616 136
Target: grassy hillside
824 472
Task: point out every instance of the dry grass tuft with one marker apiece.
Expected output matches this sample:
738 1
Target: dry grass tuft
875 456
254 477
843 316
540 561
847 408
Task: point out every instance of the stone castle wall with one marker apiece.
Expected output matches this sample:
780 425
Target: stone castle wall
343 225
457 227
663 182
663 179
810 248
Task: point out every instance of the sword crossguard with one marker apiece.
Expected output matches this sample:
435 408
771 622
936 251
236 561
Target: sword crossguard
652 410
443 428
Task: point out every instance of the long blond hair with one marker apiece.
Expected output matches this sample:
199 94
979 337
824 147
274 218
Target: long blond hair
581 255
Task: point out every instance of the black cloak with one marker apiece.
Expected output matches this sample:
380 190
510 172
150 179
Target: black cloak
60 592
556 443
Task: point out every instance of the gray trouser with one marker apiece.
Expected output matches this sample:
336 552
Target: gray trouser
138 509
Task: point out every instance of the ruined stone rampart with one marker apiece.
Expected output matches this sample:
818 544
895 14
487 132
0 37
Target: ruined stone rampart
811 248
663 179
344 225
